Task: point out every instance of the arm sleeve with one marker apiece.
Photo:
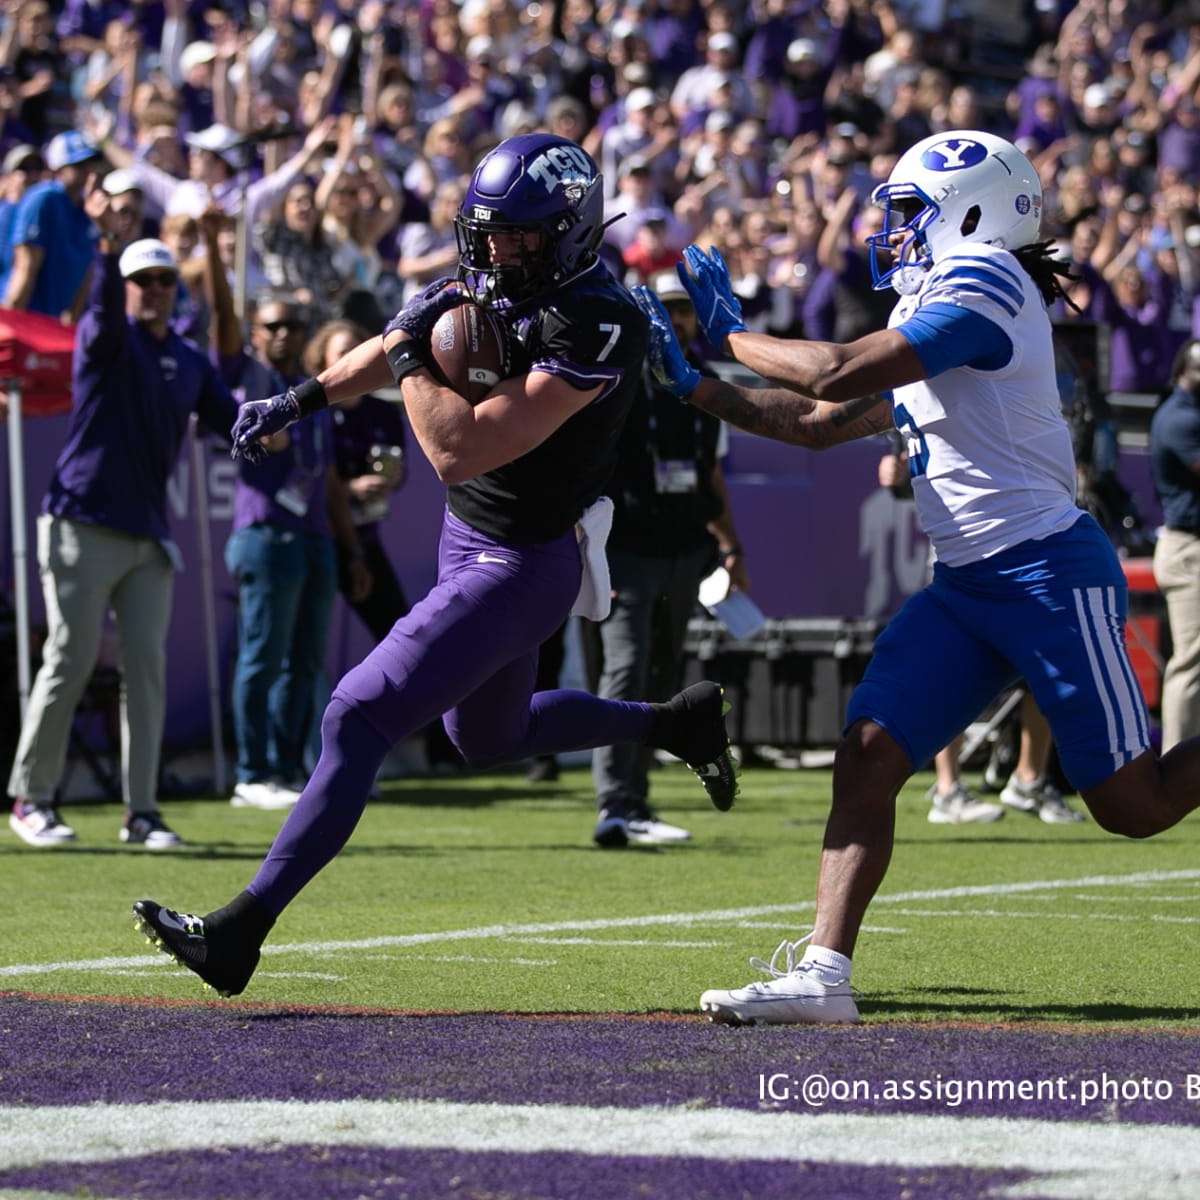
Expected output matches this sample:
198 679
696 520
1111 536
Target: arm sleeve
103 326
216 406
946 336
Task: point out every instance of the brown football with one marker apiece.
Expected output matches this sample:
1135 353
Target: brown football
469 348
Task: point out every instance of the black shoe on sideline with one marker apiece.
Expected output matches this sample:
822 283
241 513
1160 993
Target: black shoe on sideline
612 828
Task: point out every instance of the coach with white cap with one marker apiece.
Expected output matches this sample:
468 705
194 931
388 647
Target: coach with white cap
103 537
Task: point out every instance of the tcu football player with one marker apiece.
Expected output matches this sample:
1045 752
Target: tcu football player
523 465
1026 585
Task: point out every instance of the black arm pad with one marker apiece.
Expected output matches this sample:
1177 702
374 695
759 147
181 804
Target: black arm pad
406 357
310 397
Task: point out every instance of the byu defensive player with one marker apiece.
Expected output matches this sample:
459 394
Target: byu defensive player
523 465
1026 584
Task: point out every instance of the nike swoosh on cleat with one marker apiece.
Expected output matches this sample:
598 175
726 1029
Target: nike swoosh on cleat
709 770
170 921
484 557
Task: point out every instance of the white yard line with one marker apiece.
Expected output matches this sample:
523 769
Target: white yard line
1068 1160
711 917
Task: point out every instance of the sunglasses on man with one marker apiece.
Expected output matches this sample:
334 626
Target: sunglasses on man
162 279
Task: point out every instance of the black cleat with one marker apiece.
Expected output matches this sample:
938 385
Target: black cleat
224 962
691 726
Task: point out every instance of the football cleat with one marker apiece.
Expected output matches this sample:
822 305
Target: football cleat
691 726
796 995
223 961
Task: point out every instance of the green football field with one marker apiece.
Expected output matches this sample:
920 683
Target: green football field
483 892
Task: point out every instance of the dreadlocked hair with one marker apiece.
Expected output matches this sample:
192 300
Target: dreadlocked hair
1046 270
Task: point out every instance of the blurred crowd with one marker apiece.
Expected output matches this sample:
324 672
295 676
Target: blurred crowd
337 134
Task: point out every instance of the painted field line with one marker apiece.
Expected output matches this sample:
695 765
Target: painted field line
1043 915
1072 1160
713 916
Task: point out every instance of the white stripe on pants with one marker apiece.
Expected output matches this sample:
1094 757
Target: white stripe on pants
85 570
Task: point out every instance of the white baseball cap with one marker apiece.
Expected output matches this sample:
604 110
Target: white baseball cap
219 139
195 53
120 181
667 286
146 254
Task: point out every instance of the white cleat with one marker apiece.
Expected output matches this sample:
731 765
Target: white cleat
795 996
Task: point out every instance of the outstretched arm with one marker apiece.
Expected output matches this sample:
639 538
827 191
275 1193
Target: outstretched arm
830 393
786 416
829 371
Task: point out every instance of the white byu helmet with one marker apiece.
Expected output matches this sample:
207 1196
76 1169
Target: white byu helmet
960 186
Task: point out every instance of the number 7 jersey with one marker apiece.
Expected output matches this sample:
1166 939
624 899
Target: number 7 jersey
589 332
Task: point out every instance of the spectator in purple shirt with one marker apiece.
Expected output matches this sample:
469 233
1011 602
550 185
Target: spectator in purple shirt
103 537
281 553
1179 140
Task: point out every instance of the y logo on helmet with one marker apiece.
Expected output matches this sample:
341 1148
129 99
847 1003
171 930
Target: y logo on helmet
561 165
954 154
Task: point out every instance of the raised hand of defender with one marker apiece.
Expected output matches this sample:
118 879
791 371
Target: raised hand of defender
664 355
259 419
420 314
706 278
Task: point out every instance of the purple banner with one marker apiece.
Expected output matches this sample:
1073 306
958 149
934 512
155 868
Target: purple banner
822 539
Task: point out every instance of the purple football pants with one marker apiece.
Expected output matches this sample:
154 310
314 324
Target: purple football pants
468 650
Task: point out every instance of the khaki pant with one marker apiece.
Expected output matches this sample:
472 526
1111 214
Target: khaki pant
1177 573
85 570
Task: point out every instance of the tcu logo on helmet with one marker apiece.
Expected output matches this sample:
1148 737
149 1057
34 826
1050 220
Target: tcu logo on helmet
562 165
953 155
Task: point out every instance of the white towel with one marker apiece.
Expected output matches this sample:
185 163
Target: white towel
595 589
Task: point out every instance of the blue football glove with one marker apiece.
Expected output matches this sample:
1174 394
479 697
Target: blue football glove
664 355
259 419
709 286
420 314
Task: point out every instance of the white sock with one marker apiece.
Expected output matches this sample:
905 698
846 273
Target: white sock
827 965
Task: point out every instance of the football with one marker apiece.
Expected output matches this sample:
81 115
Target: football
469 349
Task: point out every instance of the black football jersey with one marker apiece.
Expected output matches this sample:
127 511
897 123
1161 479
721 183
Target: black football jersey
590 332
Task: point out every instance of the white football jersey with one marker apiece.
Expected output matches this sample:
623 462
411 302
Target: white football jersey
989 450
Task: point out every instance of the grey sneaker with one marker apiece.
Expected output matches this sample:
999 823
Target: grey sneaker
1041 799
961 807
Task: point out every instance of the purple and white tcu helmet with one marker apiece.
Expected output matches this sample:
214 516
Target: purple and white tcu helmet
534 182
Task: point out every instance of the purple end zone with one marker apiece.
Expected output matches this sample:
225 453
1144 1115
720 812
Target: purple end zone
317 1173
63 1052
55 1052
